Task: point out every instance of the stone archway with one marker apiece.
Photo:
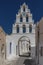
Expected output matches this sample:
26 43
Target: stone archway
24 45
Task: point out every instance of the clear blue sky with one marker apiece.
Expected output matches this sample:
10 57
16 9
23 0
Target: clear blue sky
9 8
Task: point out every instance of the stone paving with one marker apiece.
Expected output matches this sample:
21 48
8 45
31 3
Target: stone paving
19 61
22 61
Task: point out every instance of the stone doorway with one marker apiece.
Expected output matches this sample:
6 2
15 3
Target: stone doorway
24 46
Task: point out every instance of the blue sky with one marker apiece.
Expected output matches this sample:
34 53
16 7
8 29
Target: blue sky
9 8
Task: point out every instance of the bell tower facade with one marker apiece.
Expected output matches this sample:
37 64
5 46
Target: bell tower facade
22 39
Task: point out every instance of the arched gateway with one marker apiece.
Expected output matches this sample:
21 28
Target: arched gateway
24 45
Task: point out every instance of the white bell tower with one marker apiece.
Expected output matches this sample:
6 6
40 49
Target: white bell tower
23 34
24 17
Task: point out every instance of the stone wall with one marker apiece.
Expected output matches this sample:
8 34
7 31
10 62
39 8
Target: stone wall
2 43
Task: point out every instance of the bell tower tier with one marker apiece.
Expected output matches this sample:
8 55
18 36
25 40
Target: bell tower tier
24 17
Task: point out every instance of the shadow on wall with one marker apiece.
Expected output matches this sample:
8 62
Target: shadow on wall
29 62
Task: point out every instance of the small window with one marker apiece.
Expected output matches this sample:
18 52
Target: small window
21 19
10 47
26 18
41 51
24 28
17 28
30 28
